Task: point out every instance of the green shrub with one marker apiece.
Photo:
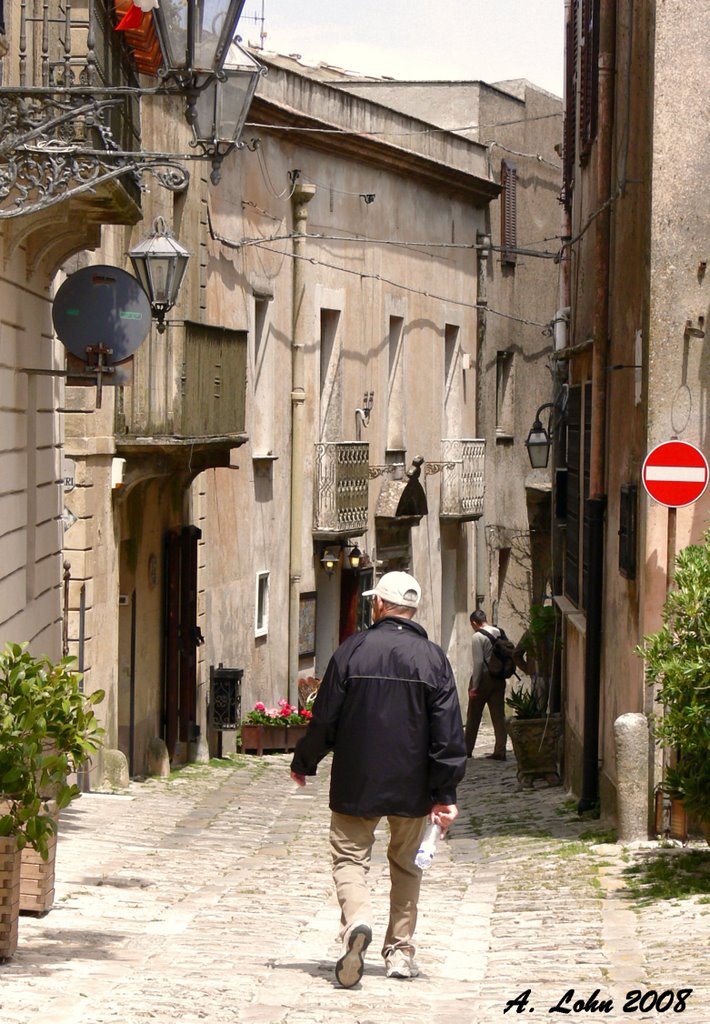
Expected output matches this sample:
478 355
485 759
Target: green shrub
48 729
678 663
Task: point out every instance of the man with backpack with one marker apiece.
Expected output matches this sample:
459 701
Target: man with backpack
492 665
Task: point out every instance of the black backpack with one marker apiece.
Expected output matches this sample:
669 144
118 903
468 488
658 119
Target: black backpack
501 663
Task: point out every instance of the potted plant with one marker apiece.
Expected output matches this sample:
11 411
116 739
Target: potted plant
48 729
535 734
275 728
677 662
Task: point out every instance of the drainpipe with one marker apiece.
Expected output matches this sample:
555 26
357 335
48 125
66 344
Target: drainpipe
483 241
596 503
302 196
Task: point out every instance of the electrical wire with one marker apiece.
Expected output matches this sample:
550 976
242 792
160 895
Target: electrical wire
285 194
400 243
528 156
396 284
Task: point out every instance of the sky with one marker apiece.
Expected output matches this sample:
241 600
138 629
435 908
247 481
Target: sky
491 40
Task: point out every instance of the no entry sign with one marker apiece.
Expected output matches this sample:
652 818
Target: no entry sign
675 473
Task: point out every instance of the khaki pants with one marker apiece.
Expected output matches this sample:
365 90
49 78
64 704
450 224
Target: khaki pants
351 841
491 692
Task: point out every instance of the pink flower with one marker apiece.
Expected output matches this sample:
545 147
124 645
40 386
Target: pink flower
259 706
283 703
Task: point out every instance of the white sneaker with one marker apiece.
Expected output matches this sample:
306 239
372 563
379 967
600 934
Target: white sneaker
400 965
350 967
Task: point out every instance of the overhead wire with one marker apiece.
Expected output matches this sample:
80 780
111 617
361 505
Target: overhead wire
363 275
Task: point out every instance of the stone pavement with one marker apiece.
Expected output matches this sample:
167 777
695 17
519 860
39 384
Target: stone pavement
208 898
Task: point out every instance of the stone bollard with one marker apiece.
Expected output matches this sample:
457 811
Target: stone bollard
631 743
115 767
158 758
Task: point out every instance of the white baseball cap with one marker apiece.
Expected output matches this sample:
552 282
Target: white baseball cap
397 588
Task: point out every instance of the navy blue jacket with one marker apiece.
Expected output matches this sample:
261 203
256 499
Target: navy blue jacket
388 709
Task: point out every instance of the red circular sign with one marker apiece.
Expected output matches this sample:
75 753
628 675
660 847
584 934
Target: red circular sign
675 473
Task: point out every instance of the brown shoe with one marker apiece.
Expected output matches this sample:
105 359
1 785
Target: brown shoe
495 757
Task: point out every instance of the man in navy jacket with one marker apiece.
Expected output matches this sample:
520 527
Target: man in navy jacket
389 711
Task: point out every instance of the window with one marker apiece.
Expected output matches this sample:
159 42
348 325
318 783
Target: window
262 413
395 386
627 531
508 211
261 623
331 399
570 121
504 395
588 72
452 382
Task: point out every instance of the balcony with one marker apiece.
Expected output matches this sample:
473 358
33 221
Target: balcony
340 488
186 406
462 478
66 85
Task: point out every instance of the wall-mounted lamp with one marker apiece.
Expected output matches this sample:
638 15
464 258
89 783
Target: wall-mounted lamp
362 414
329 561
354 557
159 263
539 440
538 443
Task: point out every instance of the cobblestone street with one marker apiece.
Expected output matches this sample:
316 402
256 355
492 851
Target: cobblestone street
208 898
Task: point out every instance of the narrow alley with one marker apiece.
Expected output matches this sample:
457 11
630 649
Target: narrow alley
207 897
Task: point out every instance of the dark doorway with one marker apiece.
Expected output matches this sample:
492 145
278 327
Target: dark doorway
182 637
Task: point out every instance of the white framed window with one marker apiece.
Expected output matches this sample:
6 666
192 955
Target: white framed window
261 616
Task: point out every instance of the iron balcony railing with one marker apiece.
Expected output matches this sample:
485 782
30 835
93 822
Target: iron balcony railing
462 478
341 487
68 92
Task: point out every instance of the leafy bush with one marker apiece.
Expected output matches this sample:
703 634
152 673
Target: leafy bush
48 729
678 662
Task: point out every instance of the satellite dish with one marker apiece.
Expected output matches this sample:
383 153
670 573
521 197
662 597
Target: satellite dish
101 305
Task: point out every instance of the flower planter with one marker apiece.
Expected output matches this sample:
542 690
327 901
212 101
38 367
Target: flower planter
9 896
37 875
536 745
259 738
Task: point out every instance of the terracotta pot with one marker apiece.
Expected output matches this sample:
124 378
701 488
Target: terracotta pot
9 896
536 745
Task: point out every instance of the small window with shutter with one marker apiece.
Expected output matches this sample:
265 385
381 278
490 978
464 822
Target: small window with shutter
589 75
509 211
627 532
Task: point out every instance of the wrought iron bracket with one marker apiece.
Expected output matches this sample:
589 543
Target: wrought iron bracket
375 471
57 144
430 468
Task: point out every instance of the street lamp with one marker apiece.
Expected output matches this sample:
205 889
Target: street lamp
217 76
218 110
538 442
159 263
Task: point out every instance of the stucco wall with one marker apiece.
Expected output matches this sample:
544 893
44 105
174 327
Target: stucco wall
30 460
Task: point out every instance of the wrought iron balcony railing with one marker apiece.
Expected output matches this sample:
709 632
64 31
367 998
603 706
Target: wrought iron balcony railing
341 487
70 103
462 478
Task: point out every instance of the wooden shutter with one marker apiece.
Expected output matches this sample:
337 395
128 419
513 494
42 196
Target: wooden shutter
509 211
589 76
627 531
570 127
573 532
